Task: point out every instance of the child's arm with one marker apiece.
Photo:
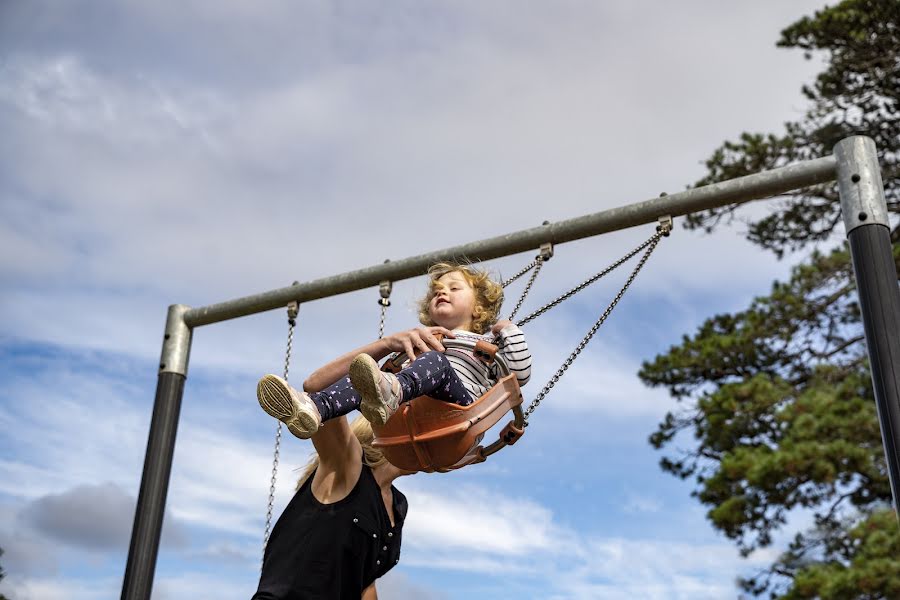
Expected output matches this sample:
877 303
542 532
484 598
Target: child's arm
514 349
413 341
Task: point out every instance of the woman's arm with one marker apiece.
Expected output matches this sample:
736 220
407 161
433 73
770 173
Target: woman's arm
420 339
340 461
369 593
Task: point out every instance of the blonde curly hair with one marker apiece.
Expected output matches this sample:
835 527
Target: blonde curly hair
488 294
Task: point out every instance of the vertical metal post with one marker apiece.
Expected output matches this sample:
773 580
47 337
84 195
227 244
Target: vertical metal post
868 230
151 504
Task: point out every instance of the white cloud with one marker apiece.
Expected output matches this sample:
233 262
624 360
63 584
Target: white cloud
602 381
63 95
59 588
65 441
619 568
469 528
221 480
636 503
474 530
90 517
223 585
397 585
66 437
25 556
466 520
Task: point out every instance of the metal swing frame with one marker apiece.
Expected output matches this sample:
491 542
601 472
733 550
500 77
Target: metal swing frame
854 164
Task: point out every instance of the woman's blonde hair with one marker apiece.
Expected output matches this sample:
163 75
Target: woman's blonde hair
372 457
488 294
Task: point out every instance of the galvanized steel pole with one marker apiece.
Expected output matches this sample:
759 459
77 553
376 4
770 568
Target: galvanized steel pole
868 231
151 504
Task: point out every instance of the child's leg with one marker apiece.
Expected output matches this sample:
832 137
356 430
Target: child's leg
303 413
336 400
431 374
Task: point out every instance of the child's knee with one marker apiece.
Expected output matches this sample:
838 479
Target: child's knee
430 357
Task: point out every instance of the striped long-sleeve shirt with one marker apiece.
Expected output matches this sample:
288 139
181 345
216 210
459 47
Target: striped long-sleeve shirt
477 377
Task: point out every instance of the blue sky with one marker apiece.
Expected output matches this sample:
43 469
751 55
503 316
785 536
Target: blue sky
155 154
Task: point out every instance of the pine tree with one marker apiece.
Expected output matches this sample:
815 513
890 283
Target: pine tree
2 575
778 396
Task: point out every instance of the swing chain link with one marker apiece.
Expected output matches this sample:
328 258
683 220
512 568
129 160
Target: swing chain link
653 240
384 289
537 264
293 308
546 253
662 230
519 274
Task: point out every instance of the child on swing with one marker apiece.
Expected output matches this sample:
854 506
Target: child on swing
462 302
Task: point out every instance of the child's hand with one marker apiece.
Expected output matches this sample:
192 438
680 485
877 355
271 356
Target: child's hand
418 340
499 325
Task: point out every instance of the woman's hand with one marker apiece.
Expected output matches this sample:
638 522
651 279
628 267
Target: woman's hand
500 325
418 340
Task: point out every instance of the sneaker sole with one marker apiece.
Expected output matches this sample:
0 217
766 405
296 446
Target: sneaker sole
365 381
275 398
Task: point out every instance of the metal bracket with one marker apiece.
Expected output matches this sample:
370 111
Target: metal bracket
860 184
665 225
546 252
385 288
293 309
176 347
546 249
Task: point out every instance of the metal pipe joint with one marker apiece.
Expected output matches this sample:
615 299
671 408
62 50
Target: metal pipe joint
176 348
859 181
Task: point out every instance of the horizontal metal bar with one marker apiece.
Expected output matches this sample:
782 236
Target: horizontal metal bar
734 191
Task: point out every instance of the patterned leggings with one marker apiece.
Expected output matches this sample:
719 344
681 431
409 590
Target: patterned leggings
431 374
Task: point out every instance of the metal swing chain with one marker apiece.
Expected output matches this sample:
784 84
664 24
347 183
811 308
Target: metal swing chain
519 274
661 231
546 253
653 240
293 309
537 264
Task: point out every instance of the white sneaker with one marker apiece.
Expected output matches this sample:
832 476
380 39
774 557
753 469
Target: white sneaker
292 407
380 392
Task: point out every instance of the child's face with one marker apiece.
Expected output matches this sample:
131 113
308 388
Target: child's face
453 304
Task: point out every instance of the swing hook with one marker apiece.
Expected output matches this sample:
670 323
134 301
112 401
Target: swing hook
385 288
665 225
546 250
293 309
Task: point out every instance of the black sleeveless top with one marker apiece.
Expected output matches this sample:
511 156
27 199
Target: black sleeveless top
333 550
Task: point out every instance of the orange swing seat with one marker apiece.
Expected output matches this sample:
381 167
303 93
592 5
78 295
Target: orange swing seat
426 434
